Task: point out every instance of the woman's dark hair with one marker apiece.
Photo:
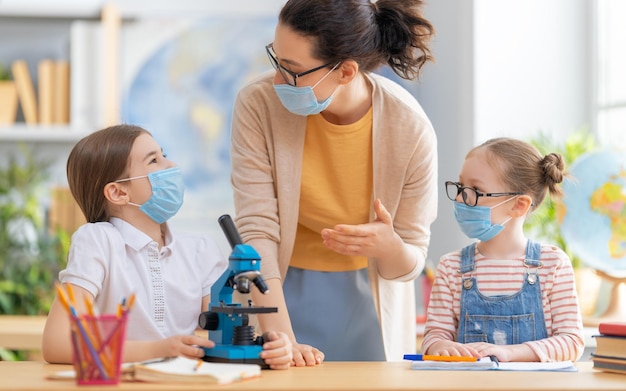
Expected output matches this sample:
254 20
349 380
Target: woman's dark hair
392 32
98 159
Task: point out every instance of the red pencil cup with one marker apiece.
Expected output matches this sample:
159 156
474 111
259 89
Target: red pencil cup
97 343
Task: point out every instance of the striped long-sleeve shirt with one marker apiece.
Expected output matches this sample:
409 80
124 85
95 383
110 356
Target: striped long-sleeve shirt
505 277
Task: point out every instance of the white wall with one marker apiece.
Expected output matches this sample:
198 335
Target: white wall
531 68
447 94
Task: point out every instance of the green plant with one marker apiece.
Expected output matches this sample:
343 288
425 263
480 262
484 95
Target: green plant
544 222
5 74
30 257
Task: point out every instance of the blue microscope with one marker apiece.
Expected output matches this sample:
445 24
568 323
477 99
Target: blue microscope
226 321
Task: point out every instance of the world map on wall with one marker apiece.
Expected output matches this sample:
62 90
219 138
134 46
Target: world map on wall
593 222
183 93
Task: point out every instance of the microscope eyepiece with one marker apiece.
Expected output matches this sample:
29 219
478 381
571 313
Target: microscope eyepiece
230 230
259 282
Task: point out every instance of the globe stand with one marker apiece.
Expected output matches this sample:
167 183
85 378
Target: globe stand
616 308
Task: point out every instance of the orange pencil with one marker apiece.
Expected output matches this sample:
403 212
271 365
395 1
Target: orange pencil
131 301
103 350
62 297
70 292
89 306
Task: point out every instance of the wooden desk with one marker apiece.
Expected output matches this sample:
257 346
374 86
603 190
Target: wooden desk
21 332
339 376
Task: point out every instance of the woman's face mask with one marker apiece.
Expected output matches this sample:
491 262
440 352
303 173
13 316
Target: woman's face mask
302 100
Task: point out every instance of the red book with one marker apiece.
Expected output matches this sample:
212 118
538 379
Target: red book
613 328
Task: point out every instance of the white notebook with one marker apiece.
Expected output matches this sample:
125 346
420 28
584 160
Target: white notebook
180 370
486 363
184 370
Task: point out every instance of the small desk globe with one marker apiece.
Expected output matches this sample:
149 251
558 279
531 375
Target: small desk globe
594 221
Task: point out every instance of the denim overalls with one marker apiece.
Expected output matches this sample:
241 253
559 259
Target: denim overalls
502 320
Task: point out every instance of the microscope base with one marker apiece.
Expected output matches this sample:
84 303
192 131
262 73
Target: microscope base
242 354
257 361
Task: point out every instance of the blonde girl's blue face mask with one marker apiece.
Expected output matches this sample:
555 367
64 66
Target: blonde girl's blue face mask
475 221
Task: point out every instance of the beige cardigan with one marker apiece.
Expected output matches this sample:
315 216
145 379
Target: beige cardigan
266 152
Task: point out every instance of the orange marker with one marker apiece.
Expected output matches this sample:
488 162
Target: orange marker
426 357
449 358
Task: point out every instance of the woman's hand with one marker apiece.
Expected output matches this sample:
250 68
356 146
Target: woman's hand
376 239
277 350
306 355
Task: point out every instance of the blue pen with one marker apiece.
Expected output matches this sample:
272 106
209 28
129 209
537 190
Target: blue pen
413 357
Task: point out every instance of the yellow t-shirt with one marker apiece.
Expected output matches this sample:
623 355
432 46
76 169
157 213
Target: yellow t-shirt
336 189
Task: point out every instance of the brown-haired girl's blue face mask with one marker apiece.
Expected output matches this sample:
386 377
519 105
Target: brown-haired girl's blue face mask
167 194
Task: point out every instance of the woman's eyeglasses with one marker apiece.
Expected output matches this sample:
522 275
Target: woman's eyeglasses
470 195
290 77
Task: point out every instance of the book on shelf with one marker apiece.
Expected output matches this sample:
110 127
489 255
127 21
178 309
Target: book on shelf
25 91
180 370
610 346
45 90
609 364
61 93
487 364
8 102
612 328
64 212
51 104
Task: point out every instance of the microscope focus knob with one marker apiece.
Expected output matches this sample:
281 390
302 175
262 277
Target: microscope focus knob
208 320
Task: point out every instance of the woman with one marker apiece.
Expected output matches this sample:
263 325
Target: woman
334 175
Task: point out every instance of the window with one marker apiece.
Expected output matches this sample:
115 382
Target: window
611 73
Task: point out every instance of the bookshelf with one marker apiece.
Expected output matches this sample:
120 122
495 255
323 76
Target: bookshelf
46 134
37 30
83 35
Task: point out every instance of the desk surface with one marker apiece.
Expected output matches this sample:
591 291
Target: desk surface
21 332
31 375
